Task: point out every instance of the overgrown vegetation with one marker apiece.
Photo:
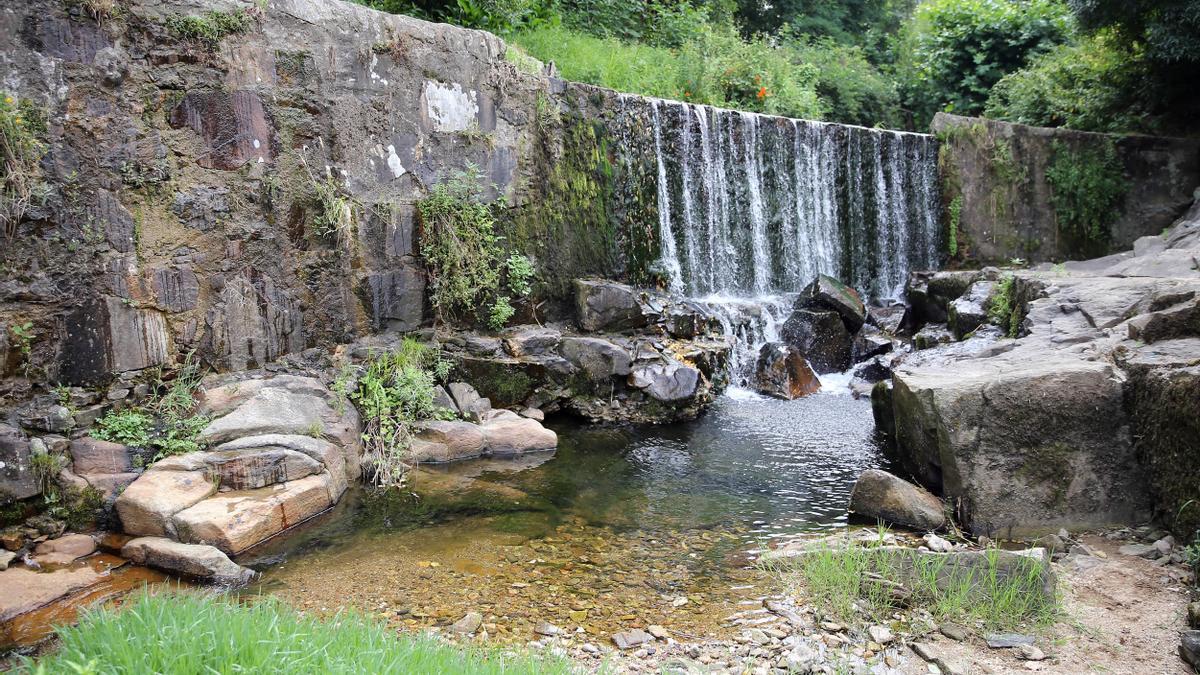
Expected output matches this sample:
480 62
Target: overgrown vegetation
22 125
204 633
1004 310
77 507
166 423
469 275
393 392
955 212
210 28
868 583
1088 187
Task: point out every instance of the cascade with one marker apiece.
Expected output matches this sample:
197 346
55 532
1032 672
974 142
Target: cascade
752 207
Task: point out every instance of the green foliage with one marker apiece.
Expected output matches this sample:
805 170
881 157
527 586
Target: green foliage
497 16
165 423
955 211
210 28
76 507
206 633
21 149
463 253
1088 187
128 427
857 583
953 51
852 90
394 391
1089 85
1004 310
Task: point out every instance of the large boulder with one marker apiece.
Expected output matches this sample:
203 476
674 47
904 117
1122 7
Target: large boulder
514 435
878 495
970 310
148 505
448 441
602 305
195 561
665 379
16 475
236 521
828 294
783 372
1024 442
600 359
822 337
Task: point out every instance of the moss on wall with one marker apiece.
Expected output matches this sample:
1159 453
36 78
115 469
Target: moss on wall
1166 413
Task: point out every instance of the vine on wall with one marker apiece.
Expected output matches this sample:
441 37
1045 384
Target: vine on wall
1088 186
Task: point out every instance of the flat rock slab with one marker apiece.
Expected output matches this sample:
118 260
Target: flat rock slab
518 436
1008 640
198 561
148 504
270 411
65 549
25 590
236 521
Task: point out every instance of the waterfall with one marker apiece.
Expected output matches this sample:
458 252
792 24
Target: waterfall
752 207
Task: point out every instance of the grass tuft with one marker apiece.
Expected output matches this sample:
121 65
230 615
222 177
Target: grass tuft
193 633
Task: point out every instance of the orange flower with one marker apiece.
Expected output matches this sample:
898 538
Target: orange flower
762 93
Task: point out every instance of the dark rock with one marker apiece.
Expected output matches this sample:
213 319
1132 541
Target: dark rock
688 320
828 294
880 495
969 311
931 336
599 358
870 341
1007 640
665 380
16 475
442 399
887 319
608 305
398 298
232 124
784 373
52 418
1189 647
876 369
253 323
821 337
201 207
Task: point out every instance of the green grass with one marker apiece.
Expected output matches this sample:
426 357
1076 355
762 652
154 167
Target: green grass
856 583
191 633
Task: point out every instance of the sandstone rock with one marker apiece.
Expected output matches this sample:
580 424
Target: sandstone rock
251 467
531 340
26 590
600 359
6 558
468 401
147 506
784 373
64 549
606 305
195 561
236 521
665 380
631 638
458 440
90 455
270 411
331 457
828 294
533 414
517 436
822 337
16 475
879 494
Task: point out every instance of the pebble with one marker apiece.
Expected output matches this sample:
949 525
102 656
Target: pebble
758 636
955 631
1030 653
880 634
547 629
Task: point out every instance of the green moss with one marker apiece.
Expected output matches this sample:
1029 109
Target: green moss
1004 306
1166 420
1088 187
1050 466
955 214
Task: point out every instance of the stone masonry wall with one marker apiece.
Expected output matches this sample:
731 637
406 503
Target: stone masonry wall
998 171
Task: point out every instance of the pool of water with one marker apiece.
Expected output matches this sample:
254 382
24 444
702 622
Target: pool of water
625 525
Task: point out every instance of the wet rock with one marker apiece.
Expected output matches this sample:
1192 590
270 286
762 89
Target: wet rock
969 311
517 436
236 521
26 590
148 505
822 337
931 336
869 342
607 305
666 380
783 372
196 561
828 294
631 638
64 549
879 494
468 624
16 475
600 359
91 455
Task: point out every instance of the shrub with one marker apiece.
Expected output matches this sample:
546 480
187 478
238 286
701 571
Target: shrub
21 149
954 51
127 427
394 391
463 256
203 633
1087 188
210 28
1089 85
165 423
852 90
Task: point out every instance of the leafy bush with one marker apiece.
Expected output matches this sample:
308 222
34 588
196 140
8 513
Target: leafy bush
394 391
954 51
497 16
1089 85
204 633
1087 188
165 423
465 261
21 149
851 89
127 427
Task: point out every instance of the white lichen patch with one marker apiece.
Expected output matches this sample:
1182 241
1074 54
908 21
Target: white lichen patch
449 107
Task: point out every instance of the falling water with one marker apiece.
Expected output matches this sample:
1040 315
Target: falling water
752 207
